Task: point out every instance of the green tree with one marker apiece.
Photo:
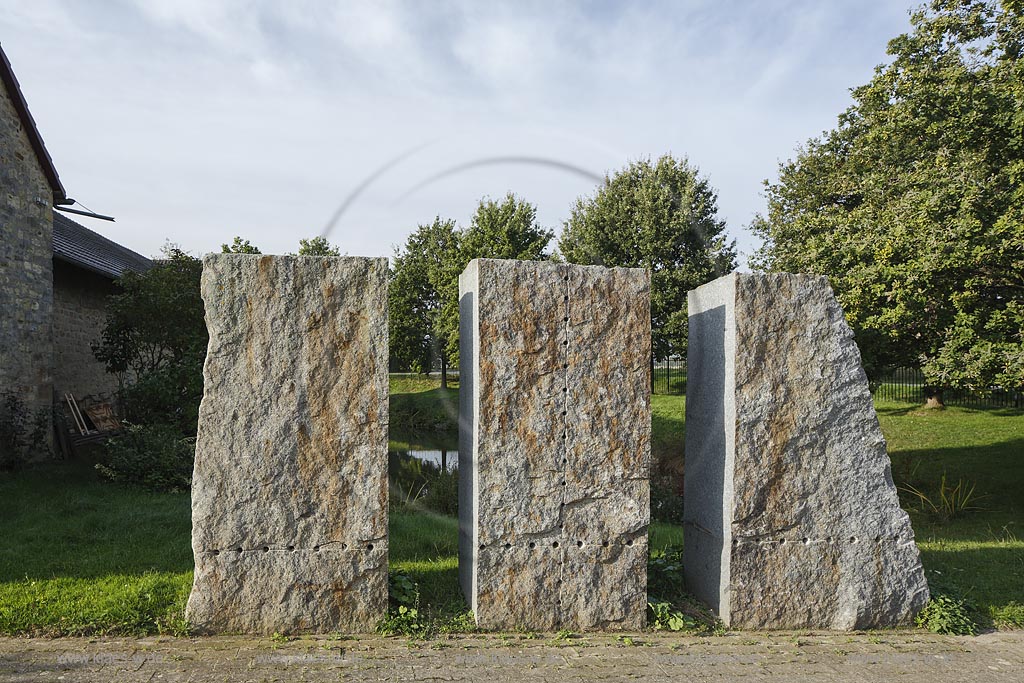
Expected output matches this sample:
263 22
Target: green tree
239 246
662 216
317 246
913 205
419 281
424 293
154 340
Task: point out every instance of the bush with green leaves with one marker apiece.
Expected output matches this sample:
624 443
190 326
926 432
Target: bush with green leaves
22 432
666 503
403 617
442 493
948 615
662 617
154 341
669 606
154 457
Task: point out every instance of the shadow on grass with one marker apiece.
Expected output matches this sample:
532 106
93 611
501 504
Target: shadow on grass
996 470
983 574
435 411
61 520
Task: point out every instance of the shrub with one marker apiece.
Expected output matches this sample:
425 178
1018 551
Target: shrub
154 341
403 617
442 493
666 503
22 434
154 457
947 615
669 606
661 617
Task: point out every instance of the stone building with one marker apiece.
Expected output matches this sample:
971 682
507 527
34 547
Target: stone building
54 273
85 265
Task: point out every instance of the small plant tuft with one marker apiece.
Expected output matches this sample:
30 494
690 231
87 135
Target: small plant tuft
947 615
949 502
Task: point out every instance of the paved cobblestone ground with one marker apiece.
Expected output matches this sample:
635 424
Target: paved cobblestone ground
888 656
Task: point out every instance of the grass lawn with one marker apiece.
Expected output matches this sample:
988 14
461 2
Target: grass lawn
979 555
81 556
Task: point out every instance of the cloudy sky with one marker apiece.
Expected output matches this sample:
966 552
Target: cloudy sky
197 120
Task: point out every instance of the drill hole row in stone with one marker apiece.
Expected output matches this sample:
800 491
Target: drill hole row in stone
807 541
267 549
554 544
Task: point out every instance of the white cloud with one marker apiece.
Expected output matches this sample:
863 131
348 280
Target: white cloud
201 119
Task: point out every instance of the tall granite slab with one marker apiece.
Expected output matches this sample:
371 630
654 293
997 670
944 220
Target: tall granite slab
791 516
554 444
290 492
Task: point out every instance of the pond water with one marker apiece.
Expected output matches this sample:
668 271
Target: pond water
415 462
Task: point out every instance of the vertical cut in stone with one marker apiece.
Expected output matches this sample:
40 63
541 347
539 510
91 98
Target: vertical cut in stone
790 512
554 444
289 494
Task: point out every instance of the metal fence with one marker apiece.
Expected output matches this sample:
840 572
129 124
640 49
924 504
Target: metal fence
907 385
904 385
668 377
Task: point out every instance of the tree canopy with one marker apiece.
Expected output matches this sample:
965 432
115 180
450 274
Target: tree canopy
239 246
419 281
424 292
913 204
658 215
314 246
154 340
317 246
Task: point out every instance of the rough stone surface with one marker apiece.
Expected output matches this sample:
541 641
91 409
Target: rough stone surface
554 451
289 496
890 657
26 267
79 314
792 519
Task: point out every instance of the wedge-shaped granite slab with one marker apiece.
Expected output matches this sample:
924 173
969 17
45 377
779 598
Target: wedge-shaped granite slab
289 495
554 444
791 516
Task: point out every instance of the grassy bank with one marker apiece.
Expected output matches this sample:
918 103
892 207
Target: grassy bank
80 556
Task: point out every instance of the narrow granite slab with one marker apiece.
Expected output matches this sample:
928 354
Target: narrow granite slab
554 449
289 494
791 516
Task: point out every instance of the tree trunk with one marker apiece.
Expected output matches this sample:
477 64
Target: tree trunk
444 370
933 398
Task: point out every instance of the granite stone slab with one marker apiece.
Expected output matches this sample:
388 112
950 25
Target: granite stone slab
554 451
791 516
290 492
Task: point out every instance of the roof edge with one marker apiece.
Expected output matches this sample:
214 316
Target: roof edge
28 123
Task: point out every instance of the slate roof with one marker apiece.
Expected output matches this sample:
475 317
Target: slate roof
80 246
29 125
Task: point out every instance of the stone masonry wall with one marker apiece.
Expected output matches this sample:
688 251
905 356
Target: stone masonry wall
26 293
79 312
